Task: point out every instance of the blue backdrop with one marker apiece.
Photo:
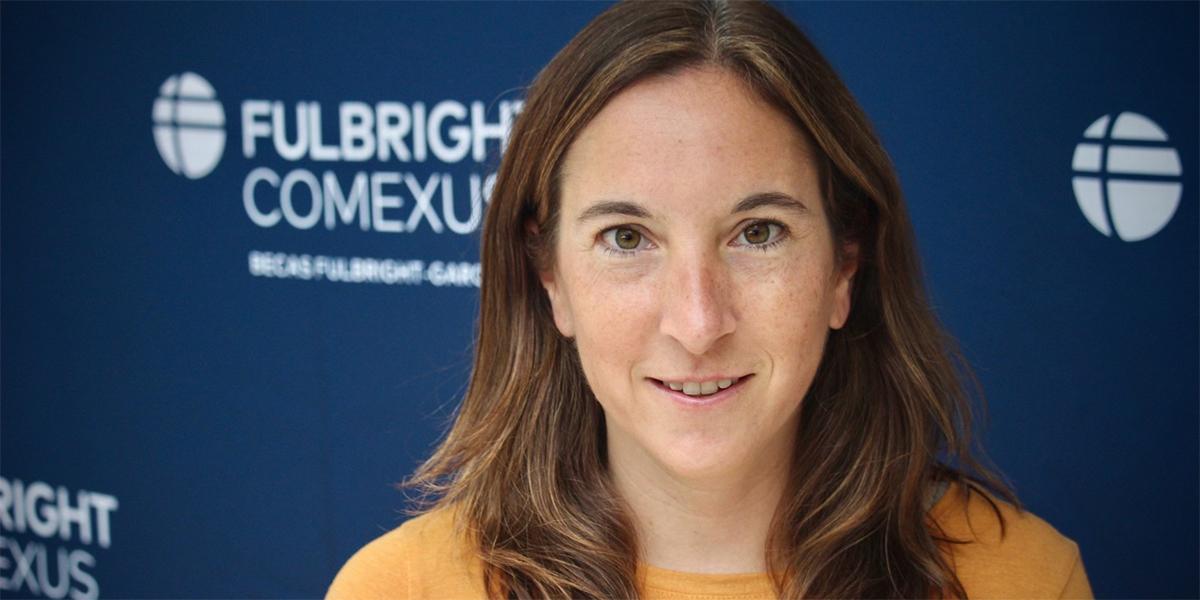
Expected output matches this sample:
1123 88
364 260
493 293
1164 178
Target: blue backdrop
239 249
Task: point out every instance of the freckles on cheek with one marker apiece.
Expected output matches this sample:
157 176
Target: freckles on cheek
787 302
612 332
612 304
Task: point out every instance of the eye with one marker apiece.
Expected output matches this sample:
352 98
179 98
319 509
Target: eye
623 240
762 235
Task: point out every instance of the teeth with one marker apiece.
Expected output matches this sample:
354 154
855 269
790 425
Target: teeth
693 388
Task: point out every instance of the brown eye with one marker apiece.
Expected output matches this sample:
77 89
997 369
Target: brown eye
757 233
627 239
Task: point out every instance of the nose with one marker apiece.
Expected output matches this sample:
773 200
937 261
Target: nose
697 302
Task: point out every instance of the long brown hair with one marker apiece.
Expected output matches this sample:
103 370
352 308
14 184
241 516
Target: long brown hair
888 414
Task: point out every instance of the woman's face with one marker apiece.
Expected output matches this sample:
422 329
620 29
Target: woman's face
693 252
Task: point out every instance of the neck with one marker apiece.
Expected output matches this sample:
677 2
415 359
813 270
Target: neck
717 523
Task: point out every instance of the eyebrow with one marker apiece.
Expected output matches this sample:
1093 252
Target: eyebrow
749 203
614 207
777 199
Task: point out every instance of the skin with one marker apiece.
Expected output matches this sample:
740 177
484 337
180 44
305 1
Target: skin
697 296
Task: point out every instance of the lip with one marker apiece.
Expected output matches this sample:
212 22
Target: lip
695 402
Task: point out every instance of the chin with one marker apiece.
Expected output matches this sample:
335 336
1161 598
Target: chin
702 460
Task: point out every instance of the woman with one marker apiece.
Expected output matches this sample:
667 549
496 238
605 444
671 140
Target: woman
705 365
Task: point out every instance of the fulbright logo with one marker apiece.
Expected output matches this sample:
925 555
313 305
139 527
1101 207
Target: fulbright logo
394 156
1127 177
189 125
388 166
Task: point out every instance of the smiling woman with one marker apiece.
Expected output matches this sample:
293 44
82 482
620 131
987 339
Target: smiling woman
720 274
705 364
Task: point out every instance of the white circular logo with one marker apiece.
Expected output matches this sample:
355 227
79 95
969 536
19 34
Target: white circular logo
189 125
1127 178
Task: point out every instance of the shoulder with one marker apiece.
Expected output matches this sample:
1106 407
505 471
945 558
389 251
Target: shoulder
1024 557
422 558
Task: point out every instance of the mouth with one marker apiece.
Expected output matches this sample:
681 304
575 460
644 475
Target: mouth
698 398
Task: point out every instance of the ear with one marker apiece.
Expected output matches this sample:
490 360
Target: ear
843 285
559 305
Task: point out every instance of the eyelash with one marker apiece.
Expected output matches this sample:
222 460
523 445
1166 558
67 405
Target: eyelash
779 238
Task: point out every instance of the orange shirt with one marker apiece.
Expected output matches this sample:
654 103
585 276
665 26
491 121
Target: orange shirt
423 559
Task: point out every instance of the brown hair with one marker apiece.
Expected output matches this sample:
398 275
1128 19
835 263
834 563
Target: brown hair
887 415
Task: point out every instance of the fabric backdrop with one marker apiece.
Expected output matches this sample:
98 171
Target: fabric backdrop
239 246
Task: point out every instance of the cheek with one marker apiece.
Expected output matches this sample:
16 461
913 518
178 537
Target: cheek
788 291
785 311
614 314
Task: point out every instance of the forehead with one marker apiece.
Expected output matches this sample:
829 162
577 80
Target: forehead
695 139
